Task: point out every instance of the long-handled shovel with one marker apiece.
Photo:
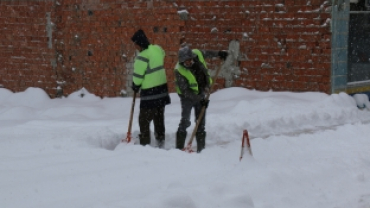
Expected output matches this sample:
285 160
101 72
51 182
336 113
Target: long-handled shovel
201 114
129 136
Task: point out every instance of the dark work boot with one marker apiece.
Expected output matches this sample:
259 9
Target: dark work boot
180 139
201 141
160 142
144 139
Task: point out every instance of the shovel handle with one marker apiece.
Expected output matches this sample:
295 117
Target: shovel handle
129 136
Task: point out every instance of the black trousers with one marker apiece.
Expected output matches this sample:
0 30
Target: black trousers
186 107
147 115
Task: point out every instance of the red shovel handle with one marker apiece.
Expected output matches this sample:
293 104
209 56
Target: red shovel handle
129 137
188 148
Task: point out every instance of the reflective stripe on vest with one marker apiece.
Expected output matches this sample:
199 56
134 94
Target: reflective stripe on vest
138 76
142 59
153 97
148 71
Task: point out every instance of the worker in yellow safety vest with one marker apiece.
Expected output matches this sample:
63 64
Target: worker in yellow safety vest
193 81
150 78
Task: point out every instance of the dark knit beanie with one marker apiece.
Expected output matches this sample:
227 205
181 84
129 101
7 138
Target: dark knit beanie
140 39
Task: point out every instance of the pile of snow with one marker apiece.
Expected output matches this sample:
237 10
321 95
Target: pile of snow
362 101
309 150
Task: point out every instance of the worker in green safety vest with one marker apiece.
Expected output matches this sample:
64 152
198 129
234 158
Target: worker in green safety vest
150 76
193 81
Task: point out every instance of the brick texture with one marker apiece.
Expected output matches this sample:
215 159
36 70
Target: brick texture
284 44
25 56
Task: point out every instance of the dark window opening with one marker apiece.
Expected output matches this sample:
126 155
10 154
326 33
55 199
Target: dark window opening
359 41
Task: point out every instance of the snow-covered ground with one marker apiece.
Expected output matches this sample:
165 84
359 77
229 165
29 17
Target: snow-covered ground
310 150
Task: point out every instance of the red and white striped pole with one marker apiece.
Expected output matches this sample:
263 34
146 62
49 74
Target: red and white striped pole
245 141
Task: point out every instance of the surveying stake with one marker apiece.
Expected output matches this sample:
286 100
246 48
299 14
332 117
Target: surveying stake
245 141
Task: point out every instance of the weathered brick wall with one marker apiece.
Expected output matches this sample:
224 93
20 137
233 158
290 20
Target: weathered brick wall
25 53
284 44
93 42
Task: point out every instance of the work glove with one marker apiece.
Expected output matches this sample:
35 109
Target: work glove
198 98
135 88
204 102
223 55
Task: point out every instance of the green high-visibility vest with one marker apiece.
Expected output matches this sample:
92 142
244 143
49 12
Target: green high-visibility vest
149 71
189 76
201 59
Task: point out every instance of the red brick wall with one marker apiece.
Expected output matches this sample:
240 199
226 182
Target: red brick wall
287 36
25 58
94 45
91 44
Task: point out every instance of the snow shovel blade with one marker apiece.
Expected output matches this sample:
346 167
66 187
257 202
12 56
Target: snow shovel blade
128 138
188 149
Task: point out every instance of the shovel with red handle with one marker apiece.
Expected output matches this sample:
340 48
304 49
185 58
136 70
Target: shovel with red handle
129 136
201 114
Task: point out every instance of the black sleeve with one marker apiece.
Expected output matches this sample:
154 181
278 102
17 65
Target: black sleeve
209 53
